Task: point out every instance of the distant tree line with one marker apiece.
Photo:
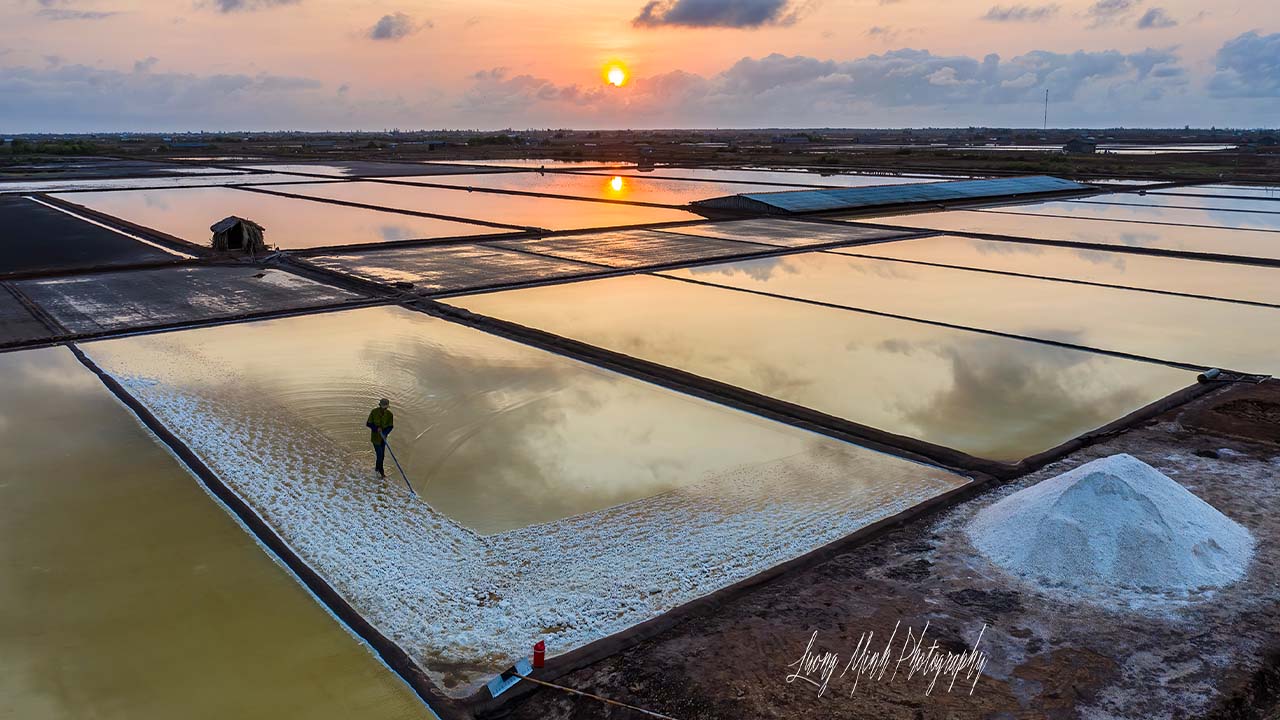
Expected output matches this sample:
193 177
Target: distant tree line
20 146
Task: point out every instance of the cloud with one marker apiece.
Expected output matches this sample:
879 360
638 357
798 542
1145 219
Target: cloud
497 91
1021 13
58 10
395 27
800 91
145 64
884 33
230 6
1248 66
1109 12
70 98
1155 19
716 13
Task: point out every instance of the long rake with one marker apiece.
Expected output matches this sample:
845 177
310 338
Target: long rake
397 462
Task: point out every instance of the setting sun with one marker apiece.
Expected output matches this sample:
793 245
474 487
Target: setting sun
615 75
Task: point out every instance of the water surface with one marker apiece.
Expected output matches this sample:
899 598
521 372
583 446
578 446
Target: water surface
596 187
781 177
988 396
548 213
1271 192
227 178
290 223
1194 202
1206 217
1187 330
129 594
1216 279
1243 243
494 434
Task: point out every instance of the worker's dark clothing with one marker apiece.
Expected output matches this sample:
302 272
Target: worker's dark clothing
380 424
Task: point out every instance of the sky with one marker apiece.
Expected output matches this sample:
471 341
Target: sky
174 65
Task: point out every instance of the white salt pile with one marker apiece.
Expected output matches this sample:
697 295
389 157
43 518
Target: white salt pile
1113 524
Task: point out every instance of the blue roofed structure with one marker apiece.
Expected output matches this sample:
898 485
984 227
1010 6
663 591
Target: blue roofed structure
809 201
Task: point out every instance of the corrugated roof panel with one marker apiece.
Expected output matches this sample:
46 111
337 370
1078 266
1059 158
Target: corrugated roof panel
802 201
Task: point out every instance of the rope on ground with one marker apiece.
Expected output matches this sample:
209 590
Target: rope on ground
606 700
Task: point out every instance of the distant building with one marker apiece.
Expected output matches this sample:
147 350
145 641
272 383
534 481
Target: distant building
1080 146
789 139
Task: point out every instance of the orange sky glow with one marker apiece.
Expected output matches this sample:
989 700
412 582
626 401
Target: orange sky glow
319 64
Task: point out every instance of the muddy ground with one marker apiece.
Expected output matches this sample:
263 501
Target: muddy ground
1048 657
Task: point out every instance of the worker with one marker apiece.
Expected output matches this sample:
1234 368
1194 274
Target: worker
380 424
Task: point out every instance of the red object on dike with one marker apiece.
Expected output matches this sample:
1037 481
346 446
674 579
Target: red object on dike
540 654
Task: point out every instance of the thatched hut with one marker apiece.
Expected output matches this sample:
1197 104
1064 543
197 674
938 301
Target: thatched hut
238 234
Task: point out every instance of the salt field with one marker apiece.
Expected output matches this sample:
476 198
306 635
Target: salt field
635 248
1249 283
187 213
549 213
450 267
130 594
619 188
788 233
605 361
542 432
1177 329
1194 202
611 413
1210 240
1269 192
780 177
1208 217
987 396
222 178
140 298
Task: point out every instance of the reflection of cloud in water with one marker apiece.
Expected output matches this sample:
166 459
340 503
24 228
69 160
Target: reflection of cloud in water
999 247
883 269
157 201
508 440
1230 219
1138 239
748 370
894 346
1058 334
395 232
761 270
999 403
1101 257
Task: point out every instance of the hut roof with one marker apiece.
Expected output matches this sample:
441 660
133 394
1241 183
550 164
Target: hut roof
227 223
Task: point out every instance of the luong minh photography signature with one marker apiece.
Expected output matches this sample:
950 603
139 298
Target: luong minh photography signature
914 657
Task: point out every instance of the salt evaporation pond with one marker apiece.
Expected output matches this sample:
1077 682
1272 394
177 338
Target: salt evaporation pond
1221 241
623 188
230 178
1252 283
992 397
1195 202
778 177
1193 331
290 223
1204 217
129 594
522 210
646 498
1269 192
